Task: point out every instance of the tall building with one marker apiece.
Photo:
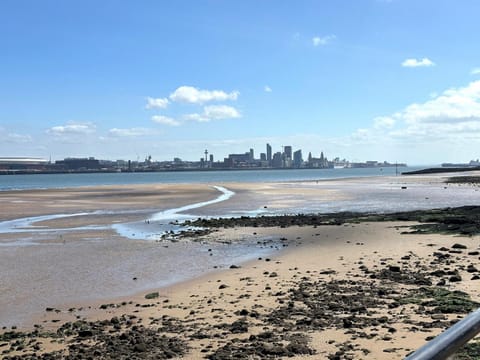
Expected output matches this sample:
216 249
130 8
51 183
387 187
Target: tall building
269 154
288 151
252 157
297 159
277 160
287 156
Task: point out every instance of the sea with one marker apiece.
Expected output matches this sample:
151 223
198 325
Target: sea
49 181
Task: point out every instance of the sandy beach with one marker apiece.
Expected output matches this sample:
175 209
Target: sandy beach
352 290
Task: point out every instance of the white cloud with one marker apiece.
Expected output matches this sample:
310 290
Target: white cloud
192 95
475 71
215 112
267 88
417 63
218 112
72 128
132 132
456 105
165 120
322 40
452 117
196 117
157 103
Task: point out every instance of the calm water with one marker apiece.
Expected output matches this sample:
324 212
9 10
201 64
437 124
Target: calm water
48 181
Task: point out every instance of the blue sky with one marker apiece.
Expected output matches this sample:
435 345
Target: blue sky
395 80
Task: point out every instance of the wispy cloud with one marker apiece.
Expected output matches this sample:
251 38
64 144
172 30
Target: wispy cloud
218 112
475 71
157 103
18 138
131 132
165 120
215 112
383 122
322 40
424 62
267 88
192 95
72 128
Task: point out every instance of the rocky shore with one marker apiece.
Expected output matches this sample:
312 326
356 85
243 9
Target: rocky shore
373 300
463 220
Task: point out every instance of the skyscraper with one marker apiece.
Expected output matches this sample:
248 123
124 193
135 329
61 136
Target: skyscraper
287 156
297 159
269 154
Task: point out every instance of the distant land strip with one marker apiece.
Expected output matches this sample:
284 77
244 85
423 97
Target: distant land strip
440 170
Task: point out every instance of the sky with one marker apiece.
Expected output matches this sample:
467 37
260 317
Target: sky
394 80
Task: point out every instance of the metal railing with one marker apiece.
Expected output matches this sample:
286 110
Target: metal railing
450 341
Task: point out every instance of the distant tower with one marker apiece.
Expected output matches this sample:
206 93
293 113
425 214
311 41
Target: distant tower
206 153
287 156
288 151
269 154
297 159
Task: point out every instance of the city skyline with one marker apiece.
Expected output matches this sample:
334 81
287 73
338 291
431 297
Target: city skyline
357 79
287 158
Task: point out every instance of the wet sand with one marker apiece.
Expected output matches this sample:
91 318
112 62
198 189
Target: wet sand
230 309
316 299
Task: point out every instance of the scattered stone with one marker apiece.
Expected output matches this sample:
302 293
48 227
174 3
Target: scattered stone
455 278
471 269
394 268
152 295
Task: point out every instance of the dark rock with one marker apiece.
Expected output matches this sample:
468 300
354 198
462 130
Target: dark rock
455 278
471 269
152 295
438 273
394 268
85 333
239 326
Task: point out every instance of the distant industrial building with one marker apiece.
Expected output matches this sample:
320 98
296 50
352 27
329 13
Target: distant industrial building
78 164
22 163
239 160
